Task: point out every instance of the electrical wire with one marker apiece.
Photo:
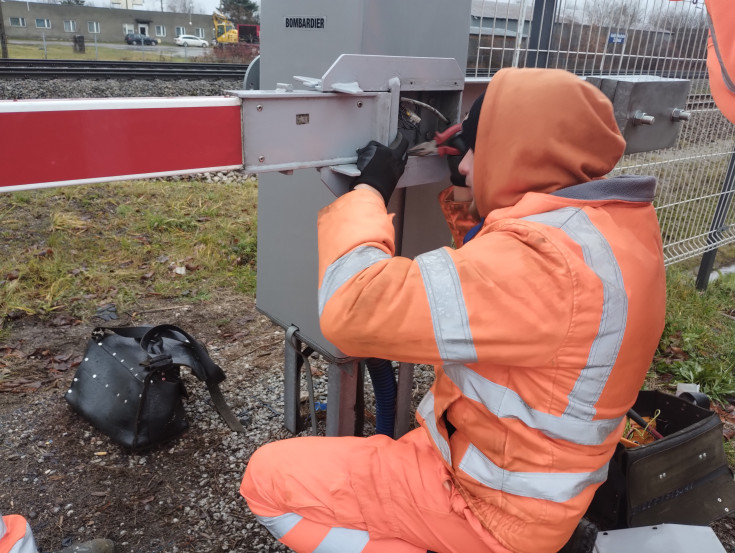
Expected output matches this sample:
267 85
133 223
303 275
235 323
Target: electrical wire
438 113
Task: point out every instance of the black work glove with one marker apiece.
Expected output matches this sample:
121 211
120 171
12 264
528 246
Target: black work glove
455 176
381 166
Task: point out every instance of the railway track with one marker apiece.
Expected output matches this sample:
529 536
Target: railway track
77 69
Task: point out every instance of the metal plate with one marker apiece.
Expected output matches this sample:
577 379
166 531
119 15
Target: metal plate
654 96
296 130
663 538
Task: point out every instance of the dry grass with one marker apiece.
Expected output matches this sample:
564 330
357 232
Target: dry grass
77 248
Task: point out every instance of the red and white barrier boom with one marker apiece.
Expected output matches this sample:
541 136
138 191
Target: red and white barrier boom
60 142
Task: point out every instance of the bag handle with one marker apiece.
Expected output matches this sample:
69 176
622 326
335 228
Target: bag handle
189 352
203 367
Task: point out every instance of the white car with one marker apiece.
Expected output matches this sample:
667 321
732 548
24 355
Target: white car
190 40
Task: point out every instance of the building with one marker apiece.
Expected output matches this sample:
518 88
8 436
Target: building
36 21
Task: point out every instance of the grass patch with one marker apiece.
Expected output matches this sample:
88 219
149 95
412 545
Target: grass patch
65 51
77 248
696 345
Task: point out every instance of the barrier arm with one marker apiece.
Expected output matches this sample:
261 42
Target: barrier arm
46 143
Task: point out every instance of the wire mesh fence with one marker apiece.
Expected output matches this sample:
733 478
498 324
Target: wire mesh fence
657 38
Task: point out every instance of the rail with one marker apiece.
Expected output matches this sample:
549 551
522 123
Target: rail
79 69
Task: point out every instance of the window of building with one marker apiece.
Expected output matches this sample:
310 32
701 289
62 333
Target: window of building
128 28
70 26
43 23
93 27
160 30
180 31
17 21
199 32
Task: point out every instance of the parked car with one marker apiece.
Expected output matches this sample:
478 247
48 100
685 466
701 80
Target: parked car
137 38
190 40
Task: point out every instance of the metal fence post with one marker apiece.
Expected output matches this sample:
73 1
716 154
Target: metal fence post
541 28
718 224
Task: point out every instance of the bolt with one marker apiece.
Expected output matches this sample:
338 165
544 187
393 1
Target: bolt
359 103
679 114
259 107
641 118
662 476
261 159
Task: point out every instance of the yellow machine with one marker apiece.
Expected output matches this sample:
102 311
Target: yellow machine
224 30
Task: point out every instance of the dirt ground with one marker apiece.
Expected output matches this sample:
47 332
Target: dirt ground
73 484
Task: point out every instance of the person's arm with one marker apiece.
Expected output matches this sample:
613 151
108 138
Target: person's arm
424 310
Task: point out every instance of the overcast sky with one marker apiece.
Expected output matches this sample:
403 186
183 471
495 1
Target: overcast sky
198 6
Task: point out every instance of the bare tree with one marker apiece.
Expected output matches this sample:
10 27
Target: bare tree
679 20
619 14
182 6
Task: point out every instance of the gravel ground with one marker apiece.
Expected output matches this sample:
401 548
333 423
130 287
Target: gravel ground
73 484
30 89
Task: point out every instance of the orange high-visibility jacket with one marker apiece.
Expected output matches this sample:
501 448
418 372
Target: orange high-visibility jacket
721 55
542 327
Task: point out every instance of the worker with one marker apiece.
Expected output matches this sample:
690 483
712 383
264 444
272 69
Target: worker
16 537
541 328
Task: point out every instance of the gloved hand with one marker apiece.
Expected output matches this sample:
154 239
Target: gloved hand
381 166
455 176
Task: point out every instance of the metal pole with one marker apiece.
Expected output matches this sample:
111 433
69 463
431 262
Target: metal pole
292 387
718 225
521 25
622 52
542 26
3 38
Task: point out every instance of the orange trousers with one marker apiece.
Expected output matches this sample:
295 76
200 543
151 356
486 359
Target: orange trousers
361 495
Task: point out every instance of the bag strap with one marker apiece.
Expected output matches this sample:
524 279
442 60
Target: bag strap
203 367
184 349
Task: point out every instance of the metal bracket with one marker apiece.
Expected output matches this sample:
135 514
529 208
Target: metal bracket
375 72
357 100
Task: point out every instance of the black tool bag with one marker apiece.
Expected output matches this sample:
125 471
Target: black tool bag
129 384
682 478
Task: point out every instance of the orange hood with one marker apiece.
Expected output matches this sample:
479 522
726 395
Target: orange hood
541 130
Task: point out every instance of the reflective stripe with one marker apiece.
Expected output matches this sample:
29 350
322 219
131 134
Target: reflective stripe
344 268
343 540
552 486
426 410
599 257
25 545
281 525
448 313
506 403
19 534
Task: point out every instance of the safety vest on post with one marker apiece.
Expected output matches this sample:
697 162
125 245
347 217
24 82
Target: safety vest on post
721 55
